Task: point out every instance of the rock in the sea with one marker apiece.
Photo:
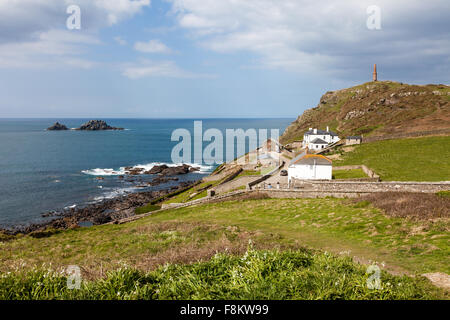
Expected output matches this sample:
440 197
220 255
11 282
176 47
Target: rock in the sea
171 171
57 126
96 125
157 169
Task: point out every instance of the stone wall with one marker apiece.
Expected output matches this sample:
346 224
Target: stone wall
370 187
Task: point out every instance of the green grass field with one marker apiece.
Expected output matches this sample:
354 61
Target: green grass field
349 174
418 159
188 235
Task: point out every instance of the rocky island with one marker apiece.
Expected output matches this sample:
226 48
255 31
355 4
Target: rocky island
57 127
96 125
91 125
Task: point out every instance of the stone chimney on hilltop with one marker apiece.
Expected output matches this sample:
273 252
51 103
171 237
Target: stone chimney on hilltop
375 75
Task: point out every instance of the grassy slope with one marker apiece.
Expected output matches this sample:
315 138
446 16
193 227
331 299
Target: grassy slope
418 159
184 234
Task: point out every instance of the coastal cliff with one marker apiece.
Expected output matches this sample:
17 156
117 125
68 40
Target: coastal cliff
377 108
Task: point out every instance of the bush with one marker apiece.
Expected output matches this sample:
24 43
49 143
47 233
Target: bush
258 274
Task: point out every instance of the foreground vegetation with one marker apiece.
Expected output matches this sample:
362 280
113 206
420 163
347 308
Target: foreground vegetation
416 159
190 234
268 274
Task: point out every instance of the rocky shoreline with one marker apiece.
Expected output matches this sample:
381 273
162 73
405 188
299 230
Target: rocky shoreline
111 209
96 214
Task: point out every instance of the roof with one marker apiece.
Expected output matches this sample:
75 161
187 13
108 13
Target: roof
301 155
321 132
319 141
311 159
354 137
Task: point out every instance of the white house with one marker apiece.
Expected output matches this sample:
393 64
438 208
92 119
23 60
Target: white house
310 167
316 139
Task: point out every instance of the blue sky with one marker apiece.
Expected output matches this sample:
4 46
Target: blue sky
209 58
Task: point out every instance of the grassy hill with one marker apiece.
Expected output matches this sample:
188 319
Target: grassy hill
288 257
377 108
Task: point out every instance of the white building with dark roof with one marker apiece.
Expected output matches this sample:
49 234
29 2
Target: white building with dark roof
316 139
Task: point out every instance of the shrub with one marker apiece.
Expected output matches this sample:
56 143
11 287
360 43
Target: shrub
258 274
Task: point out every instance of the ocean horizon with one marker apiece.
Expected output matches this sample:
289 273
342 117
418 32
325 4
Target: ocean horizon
42 171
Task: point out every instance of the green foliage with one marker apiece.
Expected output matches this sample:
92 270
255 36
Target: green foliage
146 209
188 195
5 237
44 233
258 274
246 173
362 204
444 194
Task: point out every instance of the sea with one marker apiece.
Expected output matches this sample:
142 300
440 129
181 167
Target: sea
43 171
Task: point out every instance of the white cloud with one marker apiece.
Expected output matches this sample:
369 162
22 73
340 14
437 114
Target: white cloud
165 69
327 36
52 48
117 10
33 32
152 46
120 41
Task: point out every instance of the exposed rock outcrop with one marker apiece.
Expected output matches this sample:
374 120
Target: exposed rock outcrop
57 127
163 170
97 125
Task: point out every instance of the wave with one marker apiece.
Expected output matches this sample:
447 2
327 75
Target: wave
204 169
114 193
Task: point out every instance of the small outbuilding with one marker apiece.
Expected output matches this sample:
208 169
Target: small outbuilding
310 167
353 140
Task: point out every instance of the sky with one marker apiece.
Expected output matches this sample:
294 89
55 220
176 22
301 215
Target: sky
209 58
